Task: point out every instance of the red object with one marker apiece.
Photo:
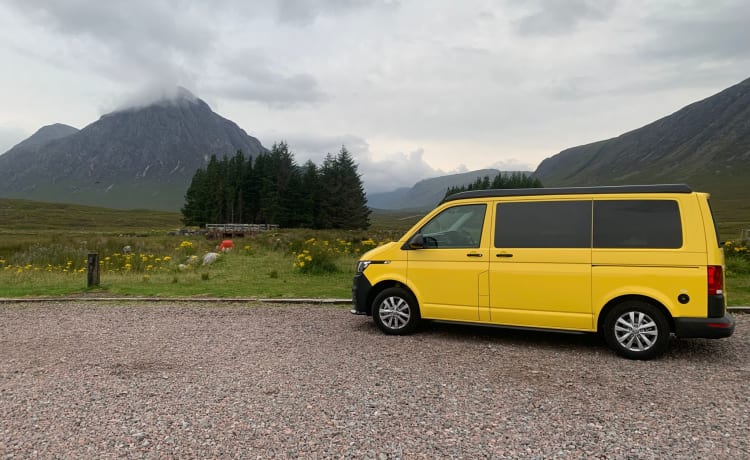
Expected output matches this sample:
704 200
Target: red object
225 245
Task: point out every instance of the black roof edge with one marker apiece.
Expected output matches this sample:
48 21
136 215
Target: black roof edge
500 192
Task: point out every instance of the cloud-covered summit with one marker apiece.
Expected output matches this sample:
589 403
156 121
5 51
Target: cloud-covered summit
157 95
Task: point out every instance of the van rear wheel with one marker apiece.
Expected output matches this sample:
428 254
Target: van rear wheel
637 330
395 311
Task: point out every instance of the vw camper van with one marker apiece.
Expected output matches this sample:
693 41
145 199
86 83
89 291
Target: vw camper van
632 263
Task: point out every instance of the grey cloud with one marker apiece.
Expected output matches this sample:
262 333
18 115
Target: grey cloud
571 88
304 12
314 148
385 173
395 170
252 77
135 26
560 17
147 40
157 92
706 32
511 164
276 90
165 44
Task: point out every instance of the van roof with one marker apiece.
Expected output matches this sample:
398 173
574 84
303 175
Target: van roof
498 192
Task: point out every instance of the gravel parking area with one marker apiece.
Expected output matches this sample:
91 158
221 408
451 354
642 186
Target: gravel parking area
85 380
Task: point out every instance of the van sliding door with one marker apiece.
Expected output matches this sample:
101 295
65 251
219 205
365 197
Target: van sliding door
540 264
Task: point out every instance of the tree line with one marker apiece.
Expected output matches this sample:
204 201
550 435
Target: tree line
502 180
271 188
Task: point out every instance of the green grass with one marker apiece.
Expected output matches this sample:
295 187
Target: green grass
738 280
732 216
33 216
265 270
261 274
738 290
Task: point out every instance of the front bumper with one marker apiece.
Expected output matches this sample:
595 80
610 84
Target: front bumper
705 328
361 288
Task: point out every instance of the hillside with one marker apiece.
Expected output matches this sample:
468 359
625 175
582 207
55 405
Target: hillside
426 193
34 216
706 145
45 135
135 158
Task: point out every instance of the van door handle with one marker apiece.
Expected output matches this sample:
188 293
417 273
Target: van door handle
503 254
474 254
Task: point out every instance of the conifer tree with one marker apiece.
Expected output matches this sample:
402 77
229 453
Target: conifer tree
500 181
309 204
343 203
271 188
194 212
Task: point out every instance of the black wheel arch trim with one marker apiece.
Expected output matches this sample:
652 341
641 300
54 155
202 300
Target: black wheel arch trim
633 297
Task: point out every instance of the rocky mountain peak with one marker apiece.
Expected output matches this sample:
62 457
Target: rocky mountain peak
141 156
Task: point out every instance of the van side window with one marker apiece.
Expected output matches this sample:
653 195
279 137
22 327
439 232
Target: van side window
456 227
637 224
543 224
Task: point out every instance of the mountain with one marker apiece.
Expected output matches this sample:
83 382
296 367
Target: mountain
706 145
142 157
45 135
425 194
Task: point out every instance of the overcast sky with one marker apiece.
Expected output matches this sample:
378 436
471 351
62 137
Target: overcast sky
414 88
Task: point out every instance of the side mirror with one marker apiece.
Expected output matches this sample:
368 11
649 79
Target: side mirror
416 242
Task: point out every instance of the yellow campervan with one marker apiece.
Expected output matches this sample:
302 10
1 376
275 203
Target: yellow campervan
634 263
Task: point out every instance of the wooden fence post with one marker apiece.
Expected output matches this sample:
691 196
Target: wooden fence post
93 269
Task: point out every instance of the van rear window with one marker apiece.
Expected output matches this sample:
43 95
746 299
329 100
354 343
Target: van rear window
637 224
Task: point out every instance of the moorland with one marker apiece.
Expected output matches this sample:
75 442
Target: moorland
44 249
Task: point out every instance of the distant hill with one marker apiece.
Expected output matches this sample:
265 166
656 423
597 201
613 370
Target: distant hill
45 135
425 194
706 145
135 158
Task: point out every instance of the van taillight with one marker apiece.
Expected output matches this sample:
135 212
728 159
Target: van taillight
715 280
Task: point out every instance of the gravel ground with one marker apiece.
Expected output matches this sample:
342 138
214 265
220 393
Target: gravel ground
82 380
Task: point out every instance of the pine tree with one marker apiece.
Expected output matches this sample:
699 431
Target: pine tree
501 181
271 188
309 203
329 190
343 203
194 212
354 198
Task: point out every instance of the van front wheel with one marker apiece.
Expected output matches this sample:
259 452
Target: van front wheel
395 311
636 330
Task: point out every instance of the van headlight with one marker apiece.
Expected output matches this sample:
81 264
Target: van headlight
362 265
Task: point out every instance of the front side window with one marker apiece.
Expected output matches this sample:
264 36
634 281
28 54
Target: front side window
455 227
543 224
637 224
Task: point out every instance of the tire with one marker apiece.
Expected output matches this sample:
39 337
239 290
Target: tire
395 311
637 330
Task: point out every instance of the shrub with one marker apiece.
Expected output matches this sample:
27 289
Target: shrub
315 261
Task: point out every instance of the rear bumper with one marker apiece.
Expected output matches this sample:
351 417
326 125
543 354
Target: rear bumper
705 328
